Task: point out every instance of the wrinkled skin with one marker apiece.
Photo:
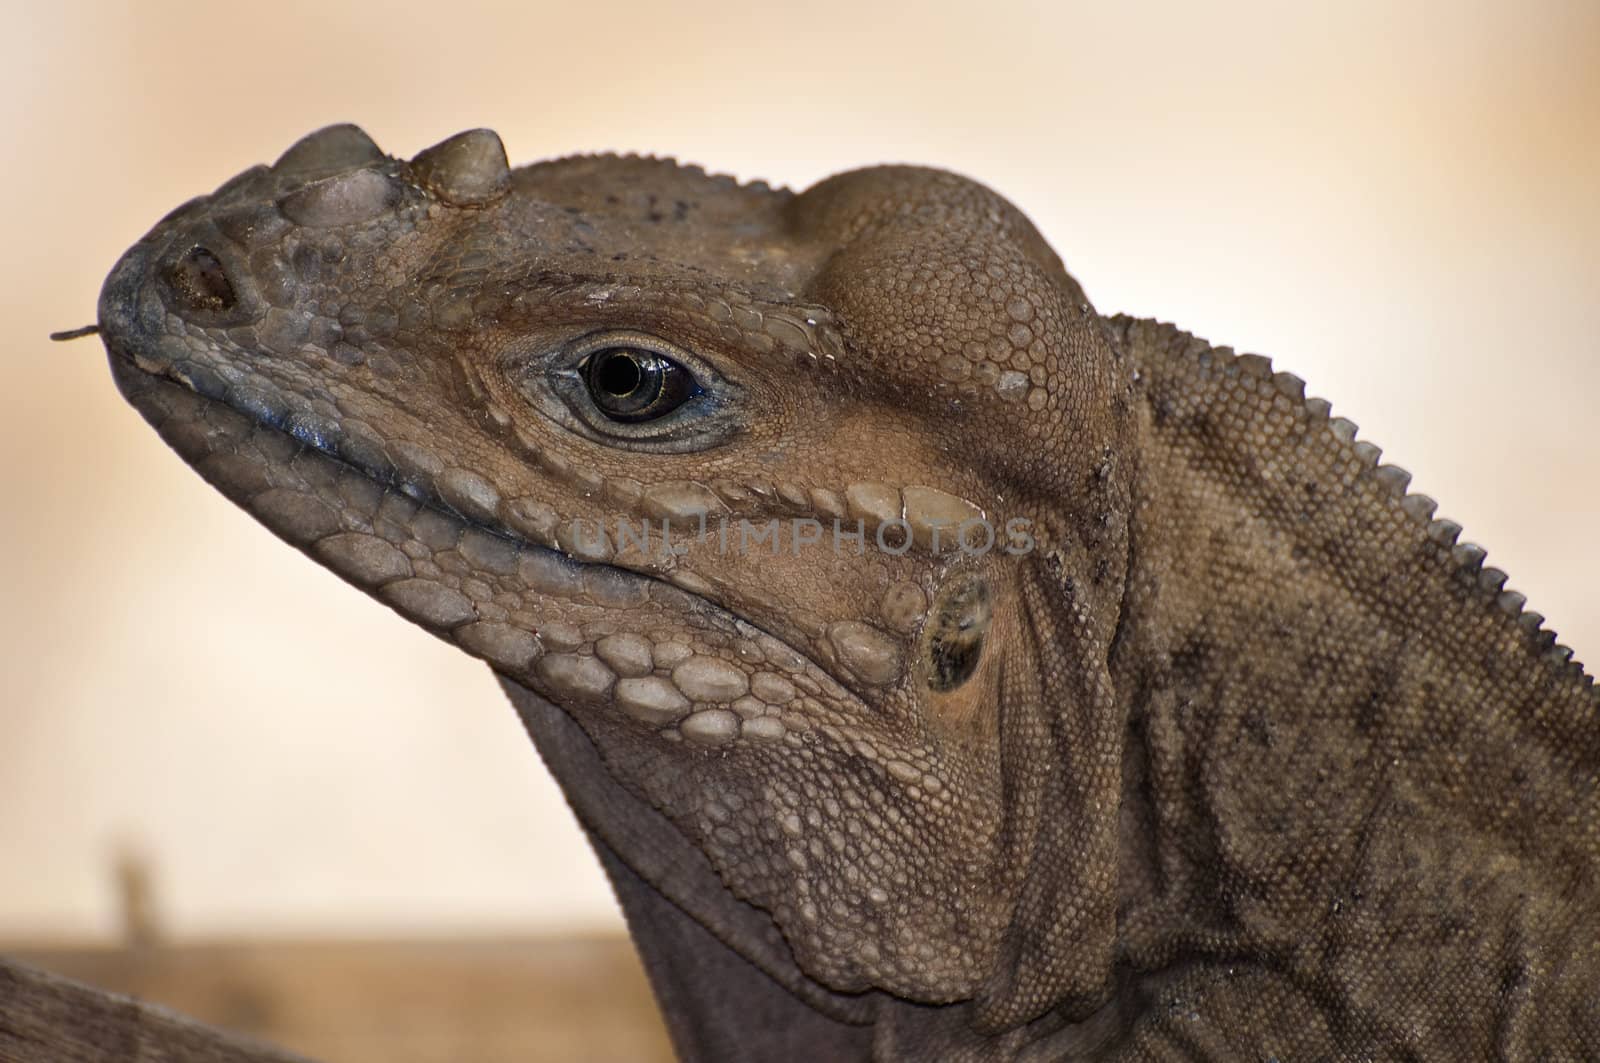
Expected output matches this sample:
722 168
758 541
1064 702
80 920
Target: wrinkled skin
1237 755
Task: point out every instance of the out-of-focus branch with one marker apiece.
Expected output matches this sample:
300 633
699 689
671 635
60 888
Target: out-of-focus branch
48 1019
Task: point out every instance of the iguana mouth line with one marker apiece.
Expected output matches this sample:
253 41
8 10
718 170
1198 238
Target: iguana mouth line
138 383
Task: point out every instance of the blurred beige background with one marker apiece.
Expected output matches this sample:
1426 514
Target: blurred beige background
1398 202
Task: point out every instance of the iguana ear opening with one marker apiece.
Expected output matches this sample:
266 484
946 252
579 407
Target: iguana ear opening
956 632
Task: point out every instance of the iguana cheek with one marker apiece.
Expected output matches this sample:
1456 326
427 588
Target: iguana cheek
903 606
863 652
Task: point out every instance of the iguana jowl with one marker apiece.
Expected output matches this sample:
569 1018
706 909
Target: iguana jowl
1236 753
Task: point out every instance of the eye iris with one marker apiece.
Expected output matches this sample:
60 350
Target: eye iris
630 384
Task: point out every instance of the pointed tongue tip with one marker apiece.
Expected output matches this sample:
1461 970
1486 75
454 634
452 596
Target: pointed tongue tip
75 333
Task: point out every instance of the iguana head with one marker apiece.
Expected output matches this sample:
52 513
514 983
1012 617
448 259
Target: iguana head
810 509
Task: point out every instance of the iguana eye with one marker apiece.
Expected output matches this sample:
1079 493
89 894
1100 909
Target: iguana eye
631 384
631 389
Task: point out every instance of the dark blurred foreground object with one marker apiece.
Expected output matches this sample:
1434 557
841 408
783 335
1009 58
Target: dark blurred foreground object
48 1019
340 1002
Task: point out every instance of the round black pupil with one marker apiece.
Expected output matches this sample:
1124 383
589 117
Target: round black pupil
619 374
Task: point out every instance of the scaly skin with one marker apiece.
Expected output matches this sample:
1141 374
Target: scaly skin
1229 751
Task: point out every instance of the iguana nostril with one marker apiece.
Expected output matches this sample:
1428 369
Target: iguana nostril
200 280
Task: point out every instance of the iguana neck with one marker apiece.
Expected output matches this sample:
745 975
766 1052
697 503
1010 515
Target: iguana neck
1333 709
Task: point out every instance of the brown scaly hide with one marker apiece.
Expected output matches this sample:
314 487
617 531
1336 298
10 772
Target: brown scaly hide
1243 756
